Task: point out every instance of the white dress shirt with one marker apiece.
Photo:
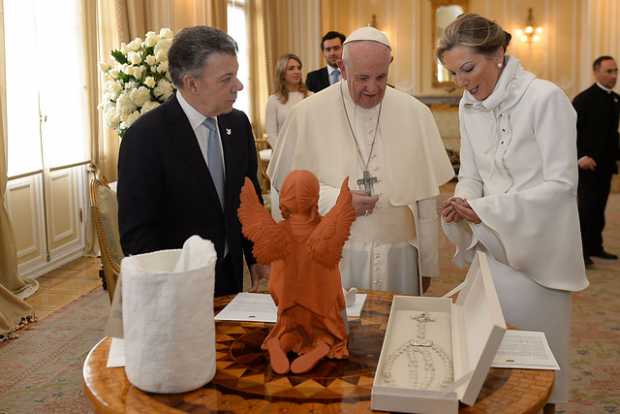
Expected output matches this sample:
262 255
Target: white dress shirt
331 70
196 120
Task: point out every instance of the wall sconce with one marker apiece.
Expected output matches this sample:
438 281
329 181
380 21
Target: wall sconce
531 33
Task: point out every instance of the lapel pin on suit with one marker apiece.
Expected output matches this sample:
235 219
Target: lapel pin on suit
228 131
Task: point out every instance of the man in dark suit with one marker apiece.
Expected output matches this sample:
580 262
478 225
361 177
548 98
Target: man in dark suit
331 45
181 166
598 112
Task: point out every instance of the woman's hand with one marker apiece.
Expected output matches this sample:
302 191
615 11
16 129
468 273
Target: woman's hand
464 210
448 212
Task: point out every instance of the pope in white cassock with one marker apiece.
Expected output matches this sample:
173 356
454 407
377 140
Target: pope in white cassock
387 142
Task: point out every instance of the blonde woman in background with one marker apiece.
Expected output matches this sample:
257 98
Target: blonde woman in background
290 90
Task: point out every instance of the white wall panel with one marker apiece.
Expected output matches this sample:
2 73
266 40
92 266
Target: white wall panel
25 207
46 240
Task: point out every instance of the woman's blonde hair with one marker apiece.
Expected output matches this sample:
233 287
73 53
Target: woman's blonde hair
474 31
281 88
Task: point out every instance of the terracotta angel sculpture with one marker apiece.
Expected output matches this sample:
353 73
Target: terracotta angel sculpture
304 250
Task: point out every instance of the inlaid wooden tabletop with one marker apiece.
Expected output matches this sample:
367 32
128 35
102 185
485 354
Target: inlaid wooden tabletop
244 382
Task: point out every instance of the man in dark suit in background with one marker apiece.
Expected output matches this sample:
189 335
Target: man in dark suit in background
598 111
181 166
331 45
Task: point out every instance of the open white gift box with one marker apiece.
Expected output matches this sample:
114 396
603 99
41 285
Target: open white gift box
436 352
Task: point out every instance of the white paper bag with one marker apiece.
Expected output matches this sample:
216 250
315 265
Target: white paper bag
168 322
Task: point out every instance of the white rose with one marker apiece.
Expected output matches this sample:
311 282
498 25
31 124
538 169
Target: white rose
161 55
123 49
134 45
166 33
124 106
138 71
148 106
134 58
131 118
125 68
150 60
130 85
113 73
163 89
140 95
104 66
164 44
118 87
163 67
161 49
114 88
150 82
129 115
110 117
151 39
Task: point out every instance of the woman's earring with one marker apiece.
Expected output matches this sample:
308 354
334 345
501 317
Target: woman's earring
499 65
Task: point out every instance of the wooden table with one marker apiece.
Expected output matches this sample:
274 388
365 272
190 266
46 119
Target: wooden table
244 382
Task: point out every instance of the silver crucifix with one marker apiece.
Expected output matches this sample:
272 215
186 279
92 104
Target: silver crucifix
367 181
423 317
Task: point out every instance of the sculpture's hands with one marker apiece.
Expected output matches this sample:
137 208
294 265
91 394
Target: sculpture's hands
363 204
258 272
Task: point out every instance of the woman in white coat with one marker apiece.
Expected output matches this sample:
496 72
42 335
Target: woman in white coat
516 195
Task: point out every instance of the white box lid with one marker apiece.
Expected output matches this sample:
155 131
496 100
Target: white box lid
477 329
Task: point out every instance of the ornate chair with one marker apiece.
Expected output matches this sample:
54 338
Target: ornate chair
104 210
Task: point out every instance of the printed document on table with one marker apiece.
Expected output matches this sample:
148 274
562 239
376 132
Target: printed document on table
525 349
259 307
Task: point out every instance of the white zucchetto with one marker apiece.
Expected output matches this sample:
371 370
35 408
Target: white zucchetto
368 34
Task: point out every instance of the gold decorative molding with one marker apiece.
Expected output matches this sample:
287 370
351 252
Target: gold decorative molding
436 5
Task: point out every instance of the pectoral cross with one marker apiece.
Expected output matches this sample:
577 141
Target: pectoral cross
367 182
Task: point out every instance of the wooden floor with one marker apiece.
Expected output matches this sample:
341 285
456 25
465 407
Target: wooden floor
64 285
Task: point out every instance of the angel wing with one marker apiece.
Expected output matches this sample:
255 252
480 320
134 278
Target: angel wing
326 241
271 240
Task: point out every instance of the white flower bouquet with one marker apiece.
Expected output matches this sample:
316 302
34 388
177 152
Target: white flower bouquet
137 81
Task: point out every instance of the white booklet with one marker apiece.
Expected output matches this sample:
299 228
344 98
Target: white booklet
259 307
525 349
